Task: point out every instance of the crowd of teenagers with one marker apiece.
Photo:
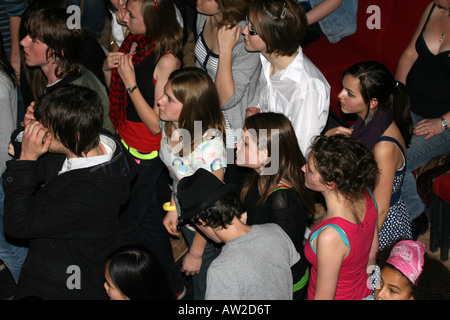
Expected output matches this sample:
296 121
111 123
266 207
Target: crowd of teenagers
194 148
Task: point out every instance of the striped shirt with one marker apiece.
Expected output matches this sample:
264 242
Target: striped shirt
9 8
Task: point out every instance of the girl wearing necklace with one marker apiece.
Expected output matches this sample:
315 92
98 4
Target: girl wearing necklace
425 69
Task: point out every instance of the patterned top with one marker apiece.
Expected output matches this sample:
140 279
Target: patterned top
397 224
210 155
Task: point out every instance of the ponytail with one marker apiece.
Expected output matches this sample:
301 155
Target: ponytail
401 108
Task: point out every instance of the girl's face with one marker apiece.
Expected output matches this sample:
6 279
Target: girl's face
248 153
133 18
393 286
169 107
208 7
111 290
313 179
351 98
253 42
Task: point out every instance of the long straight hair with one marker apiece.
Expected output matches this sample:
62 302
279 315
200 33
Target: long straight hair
161 24
194 88
290 158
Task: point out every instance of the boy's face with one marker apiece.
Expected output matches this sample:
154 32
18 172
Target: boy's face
35 52
208 231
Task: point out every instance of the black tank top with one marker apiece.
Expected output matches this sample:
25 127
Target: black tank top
428 81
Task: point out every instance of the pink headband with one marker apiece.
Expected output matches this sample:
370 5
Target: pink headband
407 257
156 4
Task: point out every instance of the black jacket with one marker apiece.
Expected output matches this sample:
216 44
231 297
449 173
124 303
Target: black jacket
71 221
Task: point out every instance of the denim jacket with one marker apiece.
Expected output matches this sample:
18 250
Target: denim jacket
340 23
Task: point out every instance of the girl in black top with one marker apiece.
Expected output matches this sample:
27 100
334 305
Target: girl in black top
276 192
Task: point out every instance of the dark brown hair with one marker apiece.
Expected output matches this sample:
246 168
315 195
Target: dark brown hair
347 162
290 157
64 44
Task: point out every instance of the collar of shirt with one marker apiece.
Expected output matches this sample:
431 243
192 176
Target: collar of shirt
86 162
292 72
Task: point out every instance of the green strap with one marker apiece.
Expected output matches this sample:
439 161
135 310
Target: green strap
137 154
302 282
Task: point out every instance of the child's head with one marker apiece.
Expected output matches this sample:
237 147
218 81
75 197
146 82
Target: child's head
48 29
281 24
408 272
340 163
270 138
400 271
202 196
75 122
156 19
134 273
190 96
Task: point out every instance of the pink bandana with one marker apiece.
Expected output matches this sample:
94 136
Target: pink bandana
407 257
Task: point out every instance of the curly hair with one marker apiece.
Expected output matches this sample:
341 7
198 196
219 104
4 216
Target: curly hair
346 162
221 213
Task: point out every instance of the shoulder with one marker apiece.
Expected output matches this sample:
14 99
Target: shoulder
168 60
284 199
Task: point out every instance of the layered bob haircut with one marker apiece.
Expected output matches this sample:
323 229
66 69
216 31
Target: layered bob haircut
281 24
64 44
74 115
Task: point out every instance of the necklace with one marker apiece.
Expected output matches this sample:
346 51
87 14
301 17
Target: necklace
442 36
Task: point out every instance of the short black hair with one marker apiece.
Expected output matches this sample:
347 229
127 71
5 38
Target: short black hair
221 212
74 115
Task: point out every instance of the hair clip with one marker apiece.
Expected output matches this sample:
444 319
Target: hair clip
283 11
156 5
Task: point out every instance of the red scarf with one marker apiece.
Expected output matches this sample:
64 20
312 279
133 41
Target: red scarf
118 97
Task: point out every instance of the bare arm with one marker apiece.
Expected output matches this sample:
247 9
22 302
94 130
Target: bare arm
410 55
388 158
331 252
227 39
322 10
14 25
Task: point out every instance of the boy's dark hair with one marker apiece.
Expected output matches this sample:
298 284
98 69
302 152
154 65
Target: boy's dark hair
74 115
64 43
221 212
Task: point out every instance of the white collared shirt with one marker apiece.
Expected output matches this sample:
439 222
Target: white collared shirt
86 162
301 93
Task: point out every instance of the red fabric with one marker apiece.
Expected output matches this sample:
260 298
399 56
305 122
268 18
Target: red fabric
138 136
399 19
353 279
441 187
118 97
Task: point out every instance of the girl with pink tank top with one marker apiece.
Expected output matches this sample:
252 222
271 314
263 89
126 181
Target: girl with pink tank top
344 244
